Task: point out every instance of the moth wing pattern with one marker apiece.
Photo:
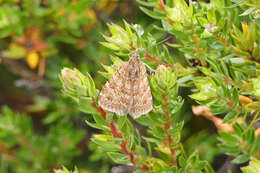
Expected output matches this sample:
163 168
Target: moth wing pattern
128 90
141 97
115 94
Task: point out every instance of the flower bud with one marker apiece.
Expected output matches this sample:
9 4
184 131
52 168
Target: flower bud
164 83
76 84
70 78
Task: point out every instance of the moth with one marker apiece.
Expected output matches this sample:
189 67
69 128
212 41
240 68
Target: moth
128 90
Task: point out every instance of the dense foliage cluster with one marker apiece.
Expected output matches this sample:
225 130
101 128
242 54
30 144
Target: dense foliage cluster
203 60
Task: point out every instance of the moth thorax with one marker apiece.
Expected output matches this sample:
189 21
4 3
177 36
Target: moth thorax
133 71
134 66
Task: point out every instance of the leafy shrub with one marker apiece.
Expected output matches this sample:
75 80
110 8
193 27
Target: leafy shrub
215 54
203 64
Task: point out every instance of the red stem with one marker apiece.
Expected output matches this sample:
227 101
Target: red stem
126 152
161 6
167 126
100 110
114 130
172 159
144 168
152 58
117 134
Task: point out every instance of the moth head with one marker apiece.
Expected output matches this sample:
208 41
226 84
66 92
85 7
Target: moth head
133 67
135 55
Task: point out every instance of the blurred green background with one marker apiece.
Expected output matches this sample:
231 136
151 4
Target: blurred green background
40 128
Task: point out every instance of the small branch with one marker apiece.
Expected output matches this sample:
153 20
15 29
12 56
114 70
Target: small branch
257 132
161 6
167 126
127 152
41 68
123 147
245 100
152 58
144 168
117 134
19 68
205 112
100 110
114 130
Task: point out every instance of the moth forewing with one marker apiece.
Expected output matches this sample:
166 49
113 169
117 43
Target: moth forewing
128 90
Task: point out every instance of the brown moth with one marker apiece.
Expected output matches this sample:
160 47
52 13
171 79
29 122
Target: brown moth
128 90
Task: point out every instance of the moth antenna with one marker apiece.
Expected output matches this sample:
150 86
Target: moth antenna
164 40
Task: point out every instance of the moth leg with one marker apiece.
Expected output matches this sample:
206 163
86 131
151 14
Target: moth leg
150 71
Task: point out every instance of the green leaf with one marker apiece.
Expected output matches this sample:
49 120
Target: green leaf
110 45
173 169
238 129
248 11
241 159
65 170
153 14
209 169
148 4
118 157
176 129
231 116
16 52
106 145
91 86
253 167
52 117
96 125
229 138
182 161
250 136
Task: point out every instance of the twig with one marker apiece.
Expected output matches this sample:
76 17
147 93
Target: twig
167 126
41 68
114 130
205 112
100 110
245 100
257 132
117 134
152 58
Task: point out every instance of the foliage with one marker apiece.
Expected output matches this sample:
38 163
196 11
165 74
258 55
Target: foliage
203 64
254 166
65 170
24 151
37 39
218 51
53 26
